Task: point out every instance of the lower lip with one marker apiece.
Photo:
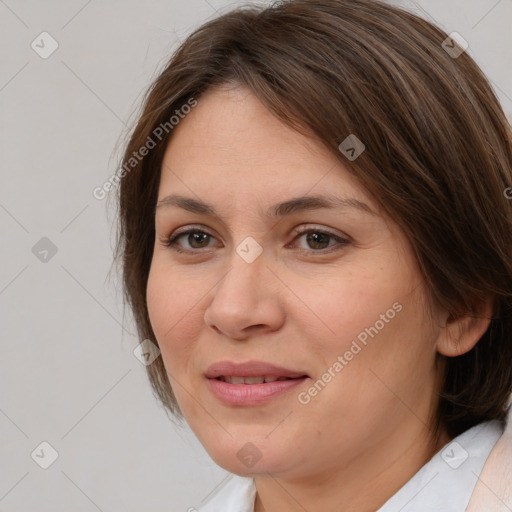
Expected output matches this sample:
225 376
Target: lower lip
252 394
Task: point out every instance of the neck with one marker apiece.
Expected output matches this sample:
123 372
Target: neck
362 484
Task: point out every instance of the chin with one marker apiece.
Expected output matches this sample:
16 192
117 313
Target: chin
246 457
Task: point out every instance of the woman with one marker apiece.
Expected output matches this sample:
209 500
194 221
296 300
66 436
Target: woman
315 231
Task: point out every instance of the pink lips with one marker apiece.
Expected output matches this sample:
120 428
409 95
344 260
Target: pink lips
240 394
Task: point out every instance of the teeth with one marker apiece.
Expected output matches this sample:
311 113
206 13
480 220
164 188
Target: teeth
235 380
254 380
250 380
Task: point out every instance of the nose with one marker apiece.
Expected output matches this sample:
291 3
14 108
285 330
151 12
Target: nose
247 301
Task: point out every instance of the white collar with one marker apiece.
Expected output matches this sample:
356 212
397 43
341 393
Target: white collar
445 483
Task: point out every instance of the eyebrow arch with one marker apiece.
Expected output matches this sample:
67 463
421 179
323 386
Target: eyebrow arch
293 205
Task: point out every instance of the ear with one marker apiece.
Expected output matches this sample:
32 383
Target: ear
462 332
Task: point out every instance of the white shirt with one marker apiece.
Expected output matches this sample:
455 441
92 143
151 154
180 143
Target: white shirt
444 484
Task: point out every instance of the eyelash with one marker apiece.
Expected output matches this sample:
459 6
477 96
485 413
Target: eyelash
171 241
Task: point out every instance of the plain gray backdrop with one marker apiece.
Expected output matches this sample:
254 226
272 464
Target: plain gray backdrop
68 374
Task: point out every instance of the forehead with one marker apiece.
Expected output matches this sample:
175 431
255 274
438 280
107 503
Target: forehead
231 141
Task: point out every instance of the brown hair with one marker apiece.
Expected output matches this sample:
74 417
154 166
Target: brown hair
438 157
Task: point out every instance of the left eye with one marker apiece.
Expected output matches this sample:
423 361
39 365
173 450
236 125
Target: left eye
320 240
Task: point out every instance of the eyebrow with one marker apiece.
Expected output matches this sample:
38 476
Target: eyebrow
293 205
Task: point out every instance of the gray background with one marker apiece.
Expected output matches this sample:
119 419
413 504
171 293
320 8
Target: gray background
68 374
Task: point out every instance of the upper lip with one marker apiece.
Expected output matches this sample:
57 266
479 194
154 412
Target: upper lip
250 369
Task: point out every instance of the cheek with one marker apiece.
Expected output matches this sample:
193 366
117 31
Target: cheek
345 306
175 316
171 308
381 298
376 322
387 351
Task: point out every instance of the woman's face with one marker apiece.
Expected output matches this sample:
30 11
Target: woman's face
330 292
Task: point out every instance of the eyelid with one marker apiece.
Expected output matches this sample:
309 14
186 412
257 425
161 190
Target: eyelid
299 230
171 239
188 228
341 240
296 231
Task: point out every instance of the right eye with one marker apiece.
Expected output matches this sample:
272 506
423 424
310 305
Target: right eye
194 238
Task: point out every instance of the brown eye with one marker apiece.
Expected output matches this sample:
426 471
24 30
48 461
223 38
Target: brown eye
320 241
317 240
194 240
197 239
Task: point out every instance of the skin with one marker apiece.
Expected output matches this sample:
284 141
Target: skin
298 305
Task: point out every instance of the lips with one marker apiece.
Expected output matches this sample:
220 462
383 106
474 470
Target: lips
250 380
255 383
252 372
